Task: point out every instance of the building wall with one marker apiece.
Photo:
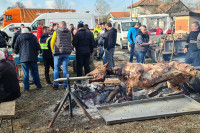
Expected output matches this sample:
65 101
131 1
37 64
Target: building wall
142 10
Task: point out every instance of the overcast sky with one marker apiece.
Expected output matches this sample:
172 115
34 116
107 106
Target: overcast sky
79 5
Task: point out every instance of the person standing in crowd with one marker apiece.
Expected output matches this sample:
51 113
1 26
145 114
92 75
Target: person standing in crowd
9 83
22 26
192 49
71 29
98 28
39 31
91 62
10 59
54 28
110 38
61 46
27 46
141 44
3 39
44 42
84 43
101 42
132 32
16 34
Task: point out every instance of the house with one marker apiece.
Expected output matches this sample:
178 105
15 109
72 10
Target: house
183 21
116 15
146 7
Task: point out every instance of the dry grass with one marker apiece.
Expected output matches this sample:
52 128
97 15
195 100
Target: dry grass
34 112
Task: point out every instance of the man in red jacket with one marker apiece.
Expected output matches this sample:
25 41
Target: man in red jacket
39 31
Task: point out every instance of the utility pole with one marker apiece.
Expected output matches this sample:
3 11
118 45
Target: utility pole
131 10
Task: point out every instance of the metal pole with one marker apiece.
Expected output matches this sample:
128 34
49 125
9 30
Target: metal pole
131 10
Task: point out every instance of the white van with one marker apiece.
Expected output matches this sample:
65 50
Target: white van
70 18
9 30
122 28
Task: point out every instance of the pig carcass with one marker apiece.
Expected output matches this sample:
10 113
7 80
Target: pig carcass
147 75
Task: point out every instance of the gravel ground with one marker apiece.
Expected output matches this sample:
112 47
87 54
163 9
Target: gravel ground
34 113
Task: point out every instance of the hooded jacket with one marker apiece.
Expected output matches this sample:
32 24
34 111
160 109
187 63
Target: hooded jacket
46 53
39 32
84 42
110 38
61 42
9 83
132 32
139 39
28 47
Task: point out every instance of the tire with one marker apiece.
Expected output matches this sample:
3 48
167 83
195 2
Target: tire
121 45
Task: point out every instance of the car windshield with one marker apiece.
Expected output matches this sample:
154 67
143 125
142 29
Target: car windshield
127 25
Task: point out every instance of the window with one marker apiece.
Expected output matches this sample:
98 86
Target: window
127 25
37 23
8 17
11 29
138 10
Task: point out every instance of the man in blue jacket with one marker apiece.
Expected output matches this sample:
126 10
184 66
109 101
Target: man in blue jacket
27 46
132 32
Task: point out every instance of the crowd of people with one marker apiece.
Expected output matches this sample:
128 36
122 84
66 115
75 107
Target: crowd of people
55 44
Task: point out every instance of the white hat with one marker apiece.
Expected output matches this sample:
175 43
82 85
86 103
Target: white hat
25 30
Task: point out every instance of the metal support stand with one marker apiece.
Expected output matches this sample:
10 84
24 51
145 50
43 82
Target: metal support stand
68 95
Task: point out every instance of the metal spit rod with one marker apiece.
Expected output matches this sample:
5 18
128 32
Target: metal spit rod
79 78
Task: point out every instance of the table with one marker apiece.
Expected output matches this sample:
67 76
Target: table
40 58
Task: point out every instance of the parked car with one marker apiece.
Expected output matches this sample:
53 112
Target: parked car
122 31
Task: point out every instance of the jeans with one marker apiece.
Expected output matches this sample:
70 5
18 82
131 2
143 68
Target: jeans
140 57
47 64
58 60
132 52
33 67
82 61
109 57
104 57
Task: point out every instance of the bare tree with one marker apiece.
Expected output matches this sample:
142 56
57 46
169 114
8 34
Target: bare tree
17 5
101 8
61 4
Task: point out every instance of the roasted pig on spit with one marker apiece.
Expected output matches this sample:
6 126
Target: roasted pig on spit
147 75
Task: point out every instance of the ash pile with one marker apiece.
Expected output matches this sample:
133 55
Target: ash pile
112 90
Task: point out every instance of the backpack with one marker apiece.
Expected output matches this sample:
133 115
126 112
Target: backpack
2 41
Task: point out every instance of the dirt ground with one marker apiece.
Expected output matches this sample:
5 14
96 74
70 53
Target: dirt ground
34 111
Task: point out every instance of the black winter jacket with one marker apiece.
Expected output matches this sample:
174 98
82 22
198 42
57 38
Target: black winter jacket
27 46
110 38
16 34
46 53
9 83
84 42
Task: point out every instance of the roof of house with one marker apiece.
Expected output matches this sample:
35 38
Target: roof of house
147 3
120 14
165 7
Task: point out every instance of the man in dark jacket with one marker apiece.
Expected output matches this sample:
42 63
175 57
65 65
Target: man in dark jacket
84 43
46 52
110 38
142 43
27 46
61 46
16 34
3 39
9 83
